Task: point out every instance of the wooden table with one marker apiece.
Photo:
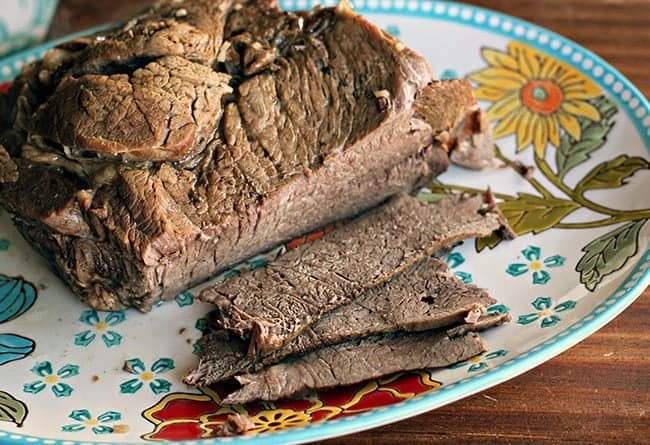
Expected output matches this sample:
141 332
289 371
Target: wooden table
598 391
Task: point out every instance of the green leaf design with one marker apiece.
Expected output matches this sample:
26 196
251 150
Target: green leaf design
608 253
489 241
612 173
11 409
571 153
529 213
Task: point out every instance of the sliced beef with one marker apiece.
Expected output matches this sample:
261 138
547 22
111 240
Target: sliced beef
425 296
273 305
482 323
163 111
204 131
356 361
363 359
469 139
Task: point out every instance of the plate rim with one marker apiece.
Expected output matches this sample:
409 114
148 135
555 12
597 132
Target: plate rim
627 292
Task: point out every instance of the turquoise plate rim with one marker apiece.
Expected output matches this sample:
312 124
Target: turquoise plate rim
608 78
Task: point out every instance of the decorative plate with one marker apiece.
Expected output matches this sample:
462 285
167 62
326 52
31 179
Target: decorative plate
24 23
581 258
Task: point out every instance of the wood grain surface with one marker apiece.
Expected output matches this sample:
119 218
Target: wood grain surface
599 390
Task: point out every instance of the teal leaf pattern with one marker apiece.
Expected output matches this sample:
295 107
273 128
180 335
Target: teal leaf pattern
546 312
137 367
97 425
73 428
202 324
393 30
80 415
608 253
449 74
567 305
162 365
498 308
496 354
532 253
550 320
256 263
54 380
134 366
109 416
542 303
481 361
102 429
109 336
131 386
14 347
62 390
17 296
230 273
454 260
160 386
42 369
89 317
540 275
184 299
477 366
68 371
34 387
84 338
527 319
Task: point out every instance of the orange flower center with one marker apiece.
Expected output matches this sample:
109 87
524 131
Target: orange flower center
51 379
542 96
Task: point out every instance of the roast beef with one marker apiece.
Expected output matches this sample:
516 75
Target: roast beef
425 296
271 306
358 360
142 160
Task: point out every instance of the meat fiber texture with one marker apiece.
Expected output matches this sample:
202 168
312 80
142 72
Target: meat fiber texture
142 160
269 307
425 296
362 359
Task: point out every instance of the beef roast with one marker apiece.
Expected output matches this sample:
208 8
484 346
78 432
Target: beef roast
425 296
271 306
142 160
360 359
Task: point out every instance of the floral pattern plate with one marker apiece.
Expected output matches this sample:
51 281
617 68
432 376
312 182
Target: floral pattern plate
581 258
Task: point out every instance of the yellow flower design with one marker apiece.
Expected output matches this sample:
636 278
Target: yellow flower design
278 419
534 96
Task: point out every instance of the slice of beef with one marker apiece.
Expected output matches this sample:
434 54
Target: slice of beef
142 160
470 139
425 296
273 305
358 360
482 323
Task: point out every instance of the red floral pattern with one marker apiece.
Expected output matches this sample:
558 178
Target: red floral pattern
186 416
